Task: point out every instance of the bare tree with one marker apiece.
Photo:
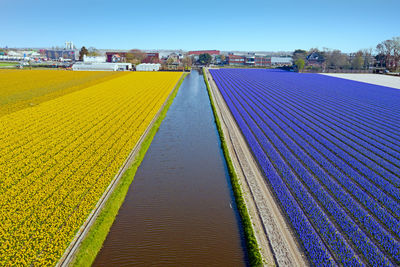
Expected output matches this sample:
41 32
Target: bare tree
388 44
367 53
92 52
381 54
135 56
396 51
336 59
187 61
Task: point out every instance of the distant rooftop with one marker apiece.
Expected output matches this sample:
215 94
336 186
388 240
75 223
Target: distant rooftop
198 52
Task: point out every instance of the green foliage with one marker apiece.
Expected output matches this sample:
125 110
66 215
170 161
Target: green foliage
300 64
251 241
299 53
358 61
5 64
205 59
93 242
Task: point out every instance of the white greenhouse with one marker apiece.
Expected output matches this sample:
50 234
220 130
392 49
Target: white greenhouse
148 67
89 66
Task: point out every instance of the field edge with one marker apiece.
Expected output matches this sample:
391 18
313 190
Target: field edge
253 249
92 242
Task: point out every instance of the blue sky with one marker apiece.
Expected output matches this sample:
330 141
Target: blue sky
250 25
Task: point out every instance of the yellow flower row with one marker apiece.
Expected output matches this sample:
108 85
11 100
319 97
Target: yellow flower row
58 158
26 88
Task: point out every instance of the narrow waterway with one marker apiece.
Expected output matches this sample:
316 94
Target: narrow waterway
179 210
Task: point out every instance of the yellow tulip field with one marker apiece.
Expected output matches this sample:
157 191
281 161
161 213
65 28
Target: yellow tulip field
58 157
20 89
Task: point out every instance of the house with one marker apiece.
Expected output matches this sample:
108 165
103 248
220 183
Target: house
315 59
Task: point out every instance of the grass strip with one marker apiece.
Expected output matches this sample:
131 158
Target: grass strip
251 241
93 242
6 64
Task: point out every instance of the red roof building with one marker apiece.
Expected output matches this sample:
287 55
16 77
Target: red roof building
121 57
151 58
236 60
199 52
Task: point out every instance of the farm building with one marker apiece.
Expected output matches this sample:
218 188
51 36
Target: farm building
199 52
94 59
121 56
196 54
148 67
90 66
249 59
281 61
61 54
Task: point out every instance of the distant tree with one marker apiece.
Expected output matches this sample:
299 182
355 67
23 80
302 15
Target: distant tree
389 47
187 61
358 61
205 59
299 53
223 58
93 52
380 59
396 52
388 53
83 52
336 59
367 55
300 64
135 56
381 54
170 60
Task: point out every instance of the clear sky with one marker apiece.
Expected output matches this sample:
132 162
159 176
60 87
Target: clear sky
250 25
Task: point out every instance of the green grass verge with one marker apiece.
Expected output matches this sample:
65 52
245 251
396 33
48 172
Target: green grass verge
5 64
251 241
93 242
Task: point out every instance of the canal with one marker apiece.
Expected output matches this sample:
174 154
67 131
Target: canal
180 209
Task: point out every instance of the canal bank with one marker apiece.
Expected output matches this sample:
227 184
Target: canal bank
180 209
89 239
278 245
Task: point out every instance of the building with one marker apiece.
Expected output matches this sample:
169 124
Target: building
151 58
281 61
60 54
93 66
315 59
148 67
19 55
174 57
69 45
249 59
199 52
121 57
116 56
262 61
94 59
195 54
236 60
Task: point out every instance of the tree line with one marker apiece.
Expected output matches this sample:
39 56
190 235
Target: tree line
385 55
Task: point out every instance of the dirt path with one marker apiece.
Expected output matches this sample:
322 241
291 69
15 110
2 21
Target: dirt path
277 244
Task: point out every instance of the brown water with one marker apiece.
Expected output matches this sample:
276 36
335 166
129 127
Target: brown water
179 210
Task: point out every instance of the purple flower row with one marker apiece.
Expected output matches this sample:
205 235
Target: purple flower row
322 175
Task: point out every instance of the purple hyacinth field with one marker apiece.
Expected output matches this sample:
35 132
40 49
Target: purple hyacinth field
330 152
